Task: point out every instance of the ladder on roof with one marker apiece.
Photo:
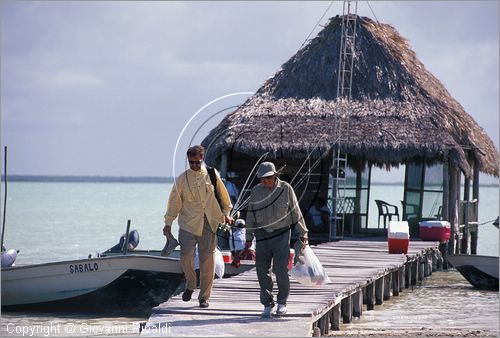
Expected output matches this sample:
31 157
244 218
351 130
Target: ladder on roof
337 180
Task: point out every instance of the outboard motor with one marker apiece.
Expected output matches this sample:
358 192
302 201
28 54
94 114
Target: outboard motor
8 257
133 242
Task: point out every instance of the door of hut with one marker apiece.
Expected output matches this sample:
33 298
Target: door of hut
423 194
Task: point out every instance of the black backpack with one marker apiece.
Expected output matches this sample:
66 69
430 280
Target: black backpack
213 179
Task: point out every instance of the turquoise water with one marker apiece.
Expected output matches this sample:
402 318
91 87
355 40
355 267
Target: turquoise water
50 221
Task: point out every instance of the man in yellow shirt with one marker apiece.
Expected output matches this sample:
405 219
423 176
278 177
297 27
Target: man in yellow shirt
193 200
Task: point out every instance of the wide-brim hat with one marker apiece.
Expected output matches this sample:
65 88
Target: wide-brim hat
266 169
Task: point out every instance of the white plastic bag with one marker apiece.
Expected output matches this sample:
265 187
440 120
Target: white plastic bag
308 270
219 262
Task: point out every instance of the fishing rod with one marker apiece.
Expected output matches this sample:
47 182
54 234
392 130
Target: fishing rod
244 188
311 167
240 206
5 194
307 158
243 205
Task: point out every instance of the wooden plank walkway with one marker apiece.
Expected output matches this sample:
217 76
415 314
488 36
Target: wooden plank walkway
362 272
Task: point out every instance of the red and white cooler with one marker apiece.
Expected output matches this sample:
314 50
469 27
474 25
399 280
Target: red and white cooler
227 256
434 230
398 237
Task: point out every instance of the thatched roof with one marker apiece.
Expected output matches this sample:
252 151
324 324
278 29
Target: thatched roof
399 111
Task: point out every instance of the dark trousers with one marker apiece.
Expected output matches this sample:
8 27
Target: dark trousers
273 247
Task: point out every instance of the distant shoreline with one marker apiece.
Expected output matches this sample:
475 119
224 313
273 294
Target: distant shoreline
132 179
89 179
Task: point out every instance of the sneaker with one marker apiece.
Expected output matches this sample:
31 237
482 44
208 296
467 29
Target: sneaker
268 311
281 310
203 303
186 296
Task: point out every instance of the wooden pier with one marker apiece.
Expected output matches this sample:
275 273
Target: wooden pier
362 273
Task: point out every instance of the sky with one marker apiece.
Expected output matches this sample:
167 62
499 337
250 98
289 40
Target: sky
110 88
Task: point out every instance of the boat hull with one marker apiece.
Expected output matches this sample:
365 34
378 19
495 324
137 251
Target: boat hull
105 283
480 271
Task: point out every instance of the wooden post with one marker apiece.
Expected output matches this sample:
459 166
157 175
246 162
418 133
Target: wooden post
434 260
402 274
346 308
395 283
408 275
370 296
453 208
379 291
445 210
357 203
475 196
428 263
223 165
335 318
441 263
420 265
458 242
466 235
323 324
414 272
357 304
446 189
387 286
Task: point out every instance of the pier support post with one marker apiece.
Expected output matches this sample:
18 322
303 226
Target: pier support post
414 272
408 270
335 318
395 283
379 291
370 296
441 257
387 286
357 306
401 273
475 195
323 324
420 263
346 308
429 263
434 260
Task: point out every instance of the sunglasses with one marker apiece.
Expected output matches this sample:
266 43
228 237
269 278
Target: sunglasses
195 162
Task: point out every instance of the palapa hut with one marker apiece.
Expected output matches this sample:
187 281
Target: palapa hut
399 114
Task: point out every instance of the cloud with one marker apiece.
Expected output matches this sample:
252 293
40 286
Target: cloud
67 79
106 69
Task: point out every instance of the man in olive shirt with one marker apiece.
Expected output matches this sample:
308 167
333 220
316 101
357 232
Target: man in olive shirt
193 200
273 210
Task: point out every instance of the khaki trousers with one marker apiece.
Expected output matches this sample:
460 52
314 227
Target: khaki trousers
207 243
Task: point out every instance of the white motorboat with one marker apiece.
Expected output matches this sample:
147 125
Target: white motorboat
113 281
122 282
133 282
480 271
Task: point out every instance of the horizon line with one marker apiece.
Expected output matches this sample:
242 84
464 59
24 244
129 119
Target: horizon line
130 179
